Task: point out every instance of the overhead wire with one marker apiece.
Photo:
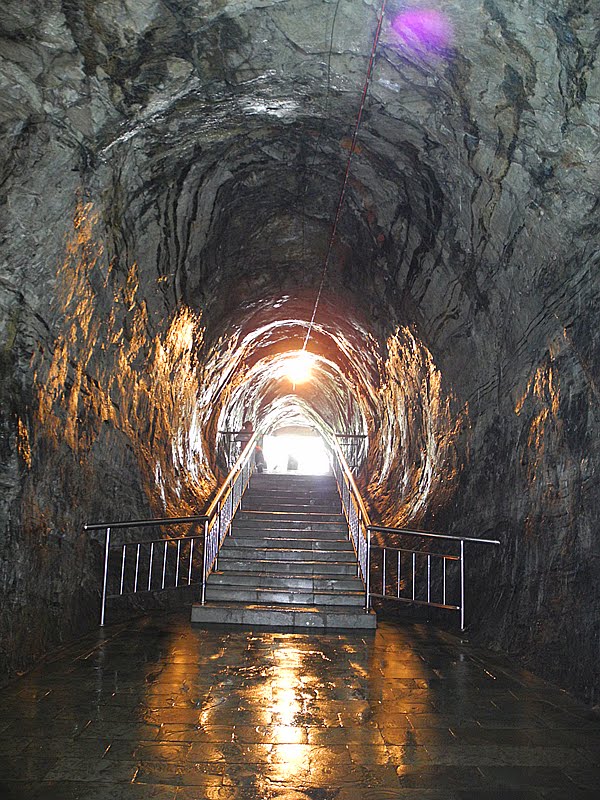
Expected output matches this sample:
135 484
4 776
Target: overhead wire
347 170
321 128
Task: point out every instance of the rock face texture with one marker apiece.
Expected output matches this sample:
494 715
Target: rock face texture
170 177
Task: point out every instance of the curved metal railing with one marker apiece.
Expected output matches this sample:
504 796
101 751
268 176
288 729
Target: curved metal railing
153 565
425 577
223 507
356 515
415 580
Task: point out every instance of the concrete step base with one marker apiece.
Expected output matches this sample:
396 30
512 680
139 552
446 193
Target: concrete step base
289 533
292 518
282 616
265 524
291 481
291 509
322 493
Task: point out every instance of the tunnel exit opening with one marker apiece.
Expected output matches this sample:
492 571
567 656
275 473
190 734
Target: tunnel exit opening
296 449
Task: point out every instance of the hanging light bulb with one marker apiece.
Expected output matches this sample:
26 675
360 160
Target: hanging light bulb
298 367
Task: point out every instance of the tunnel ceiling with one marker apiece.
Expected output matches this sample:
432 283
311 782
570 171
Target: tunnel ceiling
218 135
205 153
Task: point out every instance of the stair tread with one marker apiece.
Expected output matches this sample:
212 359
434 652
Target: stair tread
277 553
233 573
333 568
283 606
293 516
280 590
303 542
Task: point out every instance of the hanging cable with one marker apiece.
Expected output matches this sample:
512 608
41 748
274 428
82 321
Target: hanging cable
347 172
320 133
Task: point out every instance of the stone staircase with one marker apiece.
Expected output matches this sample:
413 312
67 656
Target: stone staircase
288 561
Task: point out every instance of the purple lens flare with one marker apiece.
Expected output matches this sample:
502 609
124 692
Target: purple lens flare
423 29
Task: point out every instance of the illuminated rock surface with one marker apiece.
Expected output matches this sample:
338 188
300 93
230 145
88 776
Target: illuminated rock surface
170 175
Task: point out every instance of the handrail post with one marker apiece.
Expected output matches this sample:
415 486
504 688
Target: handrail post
219 528
205 561
358 545
105 578
462 584
368 575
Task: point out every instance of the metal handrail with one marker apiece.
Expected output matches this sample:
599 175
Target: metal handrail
142 523
375 546
216 524
362 530
229 480
414 553
224 506
352 483
429 535
356 515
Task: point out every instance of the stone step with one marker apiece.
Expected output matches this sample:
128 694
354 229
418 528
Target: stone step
278 498
290 533
292 510
289 479
325 492
289 554
298 490
250 515
334 568
328 617
266 596
279 501
280 543
270 580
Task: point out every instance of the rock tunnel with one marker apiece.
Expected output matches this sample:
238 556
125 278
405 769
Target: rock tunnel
188 199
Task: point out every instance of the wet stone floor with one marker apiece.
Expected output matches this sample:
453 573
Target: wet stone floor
158 708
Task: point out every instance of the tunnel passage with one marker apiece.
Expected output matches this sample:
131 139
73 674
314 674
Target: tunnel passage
393 395
170 173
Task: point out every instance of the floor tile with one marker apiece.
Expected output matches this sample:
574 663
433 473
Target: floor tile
158 709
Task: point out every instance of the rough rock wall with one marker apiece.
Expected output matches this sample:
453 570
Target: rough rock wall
106 424
102 398
514 331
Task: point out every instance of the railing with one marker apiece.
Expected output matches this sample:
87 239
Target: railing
228 448
354 448
435 579
416 575
223 507
356 515
154 565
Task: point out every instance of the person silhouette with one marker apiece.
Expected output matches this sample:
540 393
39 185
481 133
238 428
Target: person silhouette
244 437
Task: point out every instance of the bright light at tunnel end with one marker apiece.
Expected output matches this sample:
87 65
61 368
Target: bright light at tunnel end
423 28
298 366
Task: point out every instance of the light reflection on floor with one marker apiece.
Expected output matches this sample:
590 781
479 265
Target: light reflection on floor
161 709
